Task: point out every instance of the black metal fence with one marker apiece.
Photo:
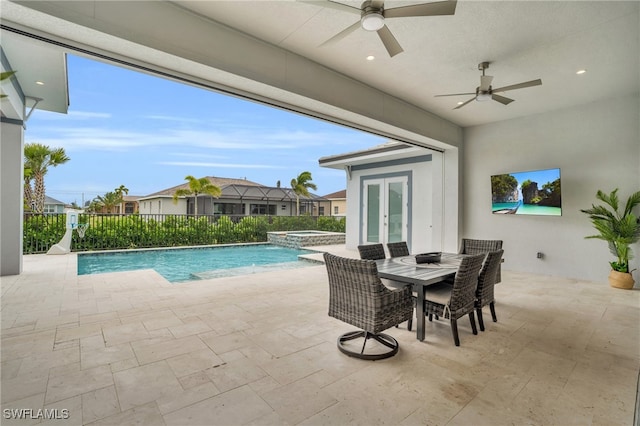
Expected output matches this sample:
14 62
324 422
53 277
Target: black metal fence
110 232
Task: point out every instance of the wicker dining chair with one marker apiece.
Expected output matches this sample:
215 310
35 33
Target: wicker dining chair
471 246
454 302
486 281
398 249
358 297
371 251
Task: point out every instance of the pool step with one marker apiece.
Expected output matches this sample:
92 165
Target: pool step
254 269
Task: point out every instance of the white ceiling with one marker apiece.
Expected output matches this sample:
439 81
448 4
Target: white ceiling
523 40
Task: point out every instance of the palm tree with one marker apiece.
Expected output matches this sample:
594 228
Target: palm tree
122 190
300 186
196 187
37 160
108 201
3 76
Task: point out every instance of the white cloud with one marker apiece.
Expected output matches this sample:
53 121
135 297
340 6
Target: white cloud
172 118
196 155
72 115
210 136
219 165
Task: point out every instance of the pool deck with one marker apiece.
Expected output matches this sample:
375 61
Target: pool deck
130 348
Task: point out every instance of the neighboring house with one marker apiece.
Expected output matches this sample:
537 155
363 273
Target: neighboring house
129 205
337 203
390 195
51 205
240 197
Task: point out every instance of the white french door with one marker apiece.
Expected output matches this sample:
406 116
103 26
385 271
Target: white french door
384 212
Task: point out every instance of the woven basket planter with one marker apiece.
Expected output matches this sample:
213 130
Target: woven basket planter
622 280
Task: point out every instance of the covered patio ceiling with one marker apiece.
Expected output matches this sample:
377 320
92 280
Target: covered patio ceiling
522 40
255 48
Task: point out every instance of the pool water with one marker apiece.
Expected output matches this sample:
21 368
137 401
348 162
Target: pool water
179 265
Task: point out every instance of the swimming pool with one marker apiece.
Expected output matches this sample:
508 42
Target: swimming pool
189 264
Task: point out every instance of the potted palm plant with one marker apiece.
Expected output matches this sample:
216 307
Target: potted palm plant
619 230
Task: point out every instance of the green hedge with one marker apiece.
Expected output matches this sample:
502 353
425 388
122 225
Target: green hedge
109 232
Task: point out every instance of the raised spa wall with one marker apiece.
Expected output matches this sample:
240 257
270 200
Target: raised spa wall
298 239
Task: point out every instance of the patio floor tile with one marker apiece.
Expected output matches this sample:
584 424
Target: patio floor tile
147 383
235 407
76 383
131 348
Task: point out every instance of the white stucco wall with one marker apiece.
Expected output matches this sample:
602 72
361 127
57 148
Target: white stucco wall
166 206
425 216
596 146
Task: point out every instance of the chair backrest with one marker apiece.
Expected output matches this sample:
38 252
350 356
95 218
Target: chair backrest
398 249
470 246
354 291
372 251
463 294
488 276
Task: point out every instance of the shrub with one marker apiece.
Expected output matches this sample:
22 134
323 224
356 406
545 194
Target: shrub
109 232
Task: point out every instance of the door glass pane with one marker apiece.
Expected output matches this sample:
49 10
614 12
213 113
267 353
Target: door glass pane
395 224
373 213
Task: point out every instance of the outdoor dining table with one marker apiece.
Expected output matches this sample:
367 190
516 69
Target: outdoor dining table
405 269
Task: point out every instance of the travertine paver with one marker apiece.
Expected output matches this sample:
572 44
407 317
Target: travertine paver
131 348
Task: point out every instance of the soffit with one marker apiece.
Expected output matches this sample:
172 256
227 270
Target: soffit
35 62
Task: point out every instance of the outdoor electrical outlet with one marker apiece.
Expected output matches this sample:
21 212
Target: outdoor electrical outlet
540 255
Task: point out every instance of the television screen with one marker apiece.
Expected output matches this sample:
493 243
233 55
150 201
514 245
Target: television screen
534 193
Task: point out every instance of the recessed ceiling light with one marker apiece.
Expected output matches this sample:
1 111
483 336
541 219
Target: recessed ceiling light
370 58
40 83
460 103
581 72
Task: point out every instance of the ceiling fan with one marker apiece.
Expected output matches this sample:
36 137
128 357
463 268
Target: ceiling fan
373 15
484 92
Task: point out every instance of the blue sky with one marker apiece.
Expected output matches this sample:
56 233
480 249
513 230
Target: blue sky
540 176
147 133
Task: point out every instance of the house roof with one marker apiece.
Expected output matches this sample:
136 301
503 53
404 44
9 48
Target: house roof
338 194
239 189
220 182
50 200
391 150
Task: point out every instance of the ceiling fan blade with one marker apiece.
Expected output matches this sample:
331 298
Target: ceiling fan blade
537 82
342 34
389 41
454 94
333 5
426 9
461 105
501 99
485 82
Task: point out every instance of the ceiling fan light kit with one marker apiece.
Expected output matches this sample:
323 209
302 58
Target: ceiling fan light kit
372 21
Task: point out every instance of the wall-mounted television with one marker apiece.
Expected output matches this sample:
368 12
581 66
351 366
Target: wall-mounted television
536 192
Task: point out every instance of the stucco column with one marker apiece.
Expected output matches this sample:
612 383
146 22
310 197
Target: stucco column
11 207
